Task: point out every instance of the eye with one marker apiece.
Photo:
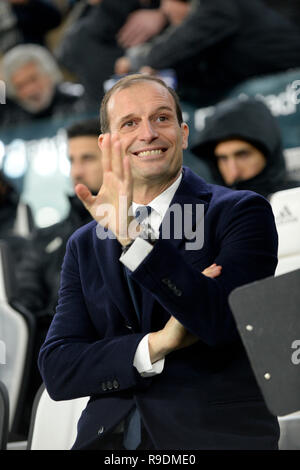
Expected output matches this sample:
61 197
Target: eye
162 118
128 124
88 158
244 154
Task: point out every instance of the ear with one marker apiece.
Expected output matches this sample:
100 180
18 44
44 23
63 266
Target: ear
185 135
100 140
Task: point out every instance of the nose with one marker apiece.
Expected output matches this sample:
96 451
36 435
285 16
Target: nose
147 132
76 172
232 171
26 90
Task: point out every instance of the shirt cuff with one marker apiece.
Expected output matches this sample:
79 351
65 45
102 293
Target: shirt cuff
136 254
142 360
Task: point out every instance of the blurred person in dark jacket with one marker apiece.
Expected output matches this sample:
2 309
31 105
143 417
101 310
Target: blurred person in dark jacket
35 18
16 220
216 46
35 87
90 47
241 144
27 21
39 274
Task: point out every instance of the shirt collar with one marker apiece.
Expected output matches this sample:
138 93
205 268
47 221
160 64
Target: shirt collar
162 202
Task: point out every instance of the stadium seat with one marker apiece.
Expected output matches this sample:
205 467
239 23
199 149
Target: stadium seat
16 339
24 224
4 416
54 423
290 432
286 209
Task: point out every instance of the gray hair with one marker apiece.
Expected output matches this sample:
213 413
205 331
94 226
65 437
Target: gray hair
23 54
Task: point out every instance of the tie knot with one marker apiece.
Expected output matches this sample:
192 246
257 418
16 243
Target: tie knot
142 212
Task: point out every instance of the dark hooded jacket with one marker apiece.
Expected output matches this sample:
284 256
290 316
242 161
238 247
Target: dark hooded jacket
16 221
38 275
8 208
252 122
38 279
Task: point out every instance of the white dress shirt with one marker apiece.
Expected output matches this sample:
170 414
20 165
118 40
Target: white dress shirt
135 255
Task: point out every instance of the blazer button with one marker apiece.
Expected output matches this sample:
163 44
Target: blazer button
109 385
100 430
116 384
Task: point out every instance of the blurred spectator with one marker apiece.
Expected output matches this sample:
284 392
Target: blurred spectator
15 216
26 21
16 220
38 275
241 143
35 87
90 47
217 45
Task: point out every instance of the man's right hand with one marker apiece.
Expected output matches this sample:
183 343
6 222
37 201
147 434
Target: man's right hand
110 207
174 336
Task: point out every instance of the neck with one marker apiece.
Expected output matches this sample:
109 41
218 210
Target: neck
145 193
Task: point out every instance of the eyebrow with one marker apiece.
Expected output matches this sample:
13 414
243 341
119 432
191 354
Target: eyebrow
132 115
235 154
83 155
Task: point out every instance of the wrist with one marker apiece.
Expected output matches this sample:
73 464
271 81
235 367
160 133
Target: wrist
157 349
126 243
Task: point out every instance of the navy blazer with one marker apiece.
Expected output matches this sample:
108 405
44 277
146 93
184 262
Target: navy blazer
207 396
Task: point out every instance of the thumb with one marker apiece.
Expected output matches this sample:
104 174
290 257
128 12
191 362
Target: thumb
84 194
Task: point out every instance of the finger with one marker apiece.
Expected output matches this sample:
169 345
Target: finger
116 157
124 33
130 32
128 186
106 153
84 194
127 172
139 37
212 271
213 268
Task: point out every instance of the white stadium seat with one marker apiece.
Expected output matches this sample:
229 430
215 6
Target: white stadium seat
286 209
54 423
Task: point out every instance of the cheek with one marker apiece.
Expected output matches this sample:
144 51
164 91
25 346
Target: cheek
221 166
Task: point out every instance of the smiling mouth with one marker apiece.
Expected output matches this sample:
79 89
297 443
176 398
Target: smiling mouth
150 152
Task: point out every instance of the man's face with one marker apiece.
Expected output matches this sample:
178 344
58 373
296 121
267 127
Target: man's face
238 160
34 89
144 118
85 159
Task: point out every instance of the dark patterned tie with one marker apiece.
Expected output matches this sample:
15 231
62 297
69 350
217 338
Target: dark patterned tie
142 212
132 431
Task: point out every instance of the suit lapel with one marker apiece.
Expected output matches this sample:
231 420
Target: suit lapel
190 204
108 252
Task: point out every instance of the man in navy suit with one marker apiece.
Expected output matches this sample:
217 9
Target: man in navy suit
139 326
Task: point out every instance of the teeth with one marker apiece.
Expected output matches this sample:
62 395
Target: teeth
150 152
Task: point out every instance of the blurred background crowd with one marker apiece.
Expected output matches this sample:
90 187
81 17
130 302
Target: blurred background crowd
235 65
